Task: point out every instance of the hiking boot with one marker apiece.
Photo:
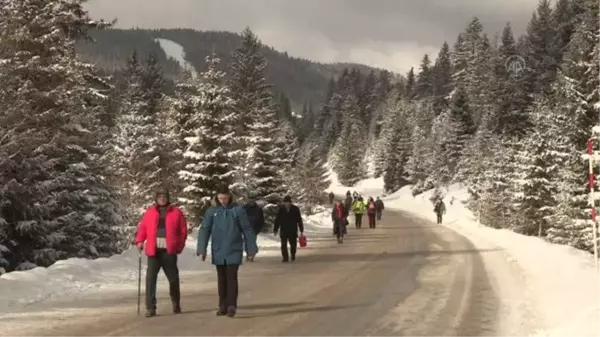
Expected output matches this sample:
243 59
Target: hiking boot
293 258
151 313
176 308
221 312
231 312
284 260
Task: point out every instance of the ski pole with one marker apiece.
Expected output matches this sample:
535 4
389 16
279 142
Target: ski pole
139 282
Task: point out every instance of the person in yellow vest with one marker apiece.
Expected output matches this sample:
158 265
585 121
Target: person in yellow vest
359 208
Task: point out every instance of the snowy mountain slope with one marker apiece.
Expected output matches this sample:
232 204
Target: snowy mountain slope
558 283
176 52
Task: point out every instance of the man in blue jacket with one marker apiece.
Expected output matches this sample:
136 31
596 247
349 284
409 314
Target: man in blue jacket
230 230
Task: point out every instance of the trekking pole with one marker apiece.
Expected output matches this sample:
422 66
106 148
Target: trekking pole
139 281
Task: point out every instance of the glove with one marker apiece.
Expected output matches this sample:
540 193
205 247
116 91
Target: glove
250 258
202 256
274 232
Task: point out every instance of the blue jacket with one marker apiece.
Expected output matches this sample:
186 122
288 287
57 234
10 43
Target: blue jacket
230 229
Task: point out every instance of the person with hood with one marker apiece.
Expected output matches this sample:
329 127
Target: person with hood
439 209
371 212
161 234
228 228
358 208
339 215
331 197
348 202
379 208
289 220
255 216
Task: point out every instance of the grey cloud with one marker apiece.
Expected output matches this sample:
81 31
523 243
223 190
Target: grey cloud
387 33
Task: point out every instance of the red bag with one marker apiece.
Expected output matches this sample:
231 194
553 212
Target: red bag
302 241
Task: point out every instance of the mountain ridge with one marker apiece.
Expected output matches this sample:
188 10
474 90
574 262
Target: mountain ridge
303 81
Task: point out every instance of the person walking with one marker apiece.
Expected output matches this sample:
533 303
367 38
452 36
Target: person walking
339 215
256 216
161 234
371 212
331 197
439 209
358 208
379 208
228 228
289 220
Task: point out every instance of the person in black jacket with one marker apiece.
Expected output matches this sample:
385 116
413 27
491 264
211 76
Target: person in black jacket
339 215
255 216
289 220
380 207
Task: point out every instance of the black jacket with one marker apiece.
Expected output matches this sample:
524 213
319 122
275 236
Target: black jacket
440 208
289 222
255 216
379 205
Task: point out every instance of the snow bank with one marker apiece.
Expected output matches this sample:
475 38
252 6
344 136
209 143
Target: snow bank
76 278
562 279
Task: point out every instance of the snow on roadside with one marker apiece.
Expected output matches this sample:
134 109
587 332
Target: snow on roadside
78 278
561 280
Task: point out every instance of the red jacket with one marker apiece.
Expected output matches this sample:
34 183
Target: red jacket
175 225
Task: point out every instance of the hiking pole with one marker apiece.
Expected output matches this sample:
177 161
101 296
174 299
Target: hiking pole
139 281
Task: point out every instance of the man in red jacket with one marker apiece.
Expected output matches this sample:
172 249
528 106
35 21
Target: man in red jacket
163 231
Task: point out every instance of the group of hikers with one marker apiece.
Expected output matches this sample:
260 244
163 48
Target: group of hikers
354 202
232 228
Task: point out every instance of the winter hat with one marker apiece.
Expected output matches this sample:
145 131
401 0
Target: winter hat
223 190
162 191
287 198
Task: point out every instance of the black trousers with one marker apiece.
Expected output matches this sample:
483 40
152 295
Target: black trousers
168 262
439 218
379 212
293 241
227 278
358 220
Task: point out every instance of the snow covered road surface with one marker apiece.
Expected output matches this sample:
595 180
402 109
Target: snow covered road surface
409 276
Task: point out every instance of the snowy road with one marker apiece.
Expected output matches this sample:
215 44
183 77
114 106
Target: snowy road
407 277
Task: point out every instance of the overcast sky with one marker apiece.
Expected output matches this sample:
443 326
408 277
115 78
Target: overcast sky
392 34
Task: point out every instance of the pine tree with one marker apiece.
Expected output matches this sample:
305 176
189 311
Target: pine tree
541 49
55 200
206 161
411 86
312 175
136 145
442 78
349 165
424 85
537 165
511 91
260 177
